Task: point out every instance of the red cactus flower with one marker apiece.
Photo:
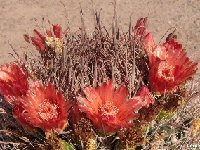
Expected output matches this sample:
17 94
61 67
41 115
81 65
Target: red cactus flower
51 39
108 108
169 66
43 107
146 95
13 82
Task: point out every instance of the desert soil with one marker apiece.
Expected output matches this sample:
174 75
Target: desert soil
22 16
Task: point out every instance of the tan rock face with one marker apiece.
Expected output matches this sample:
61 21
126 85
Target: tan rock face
21 16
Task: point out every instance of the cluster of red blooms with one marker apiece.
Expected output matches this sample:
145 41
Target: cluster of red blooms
34 105
168 62
38 105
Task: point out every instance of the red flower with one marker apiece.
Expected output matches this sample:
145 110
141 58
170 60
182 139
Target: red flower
169 65
13 82
51 39
108 108
43 107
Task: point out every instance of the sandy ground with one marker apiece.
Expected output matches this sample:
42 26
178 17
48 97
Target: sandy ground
22 16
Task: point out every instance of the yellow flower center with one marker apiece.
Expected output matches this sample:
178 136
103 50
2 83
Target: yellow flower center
47 111
108 111
166 71
195 126
55 43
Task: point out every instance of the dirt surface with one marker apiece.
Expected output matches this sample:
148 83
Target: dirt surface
22 16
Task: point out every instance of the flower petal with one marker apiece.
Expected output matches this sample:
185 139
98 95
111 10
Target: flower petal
43 107
57 30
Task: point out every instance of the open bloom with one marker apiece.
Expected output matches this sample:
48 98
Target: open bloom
49 40
13 82
169 64
43 107
108 108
